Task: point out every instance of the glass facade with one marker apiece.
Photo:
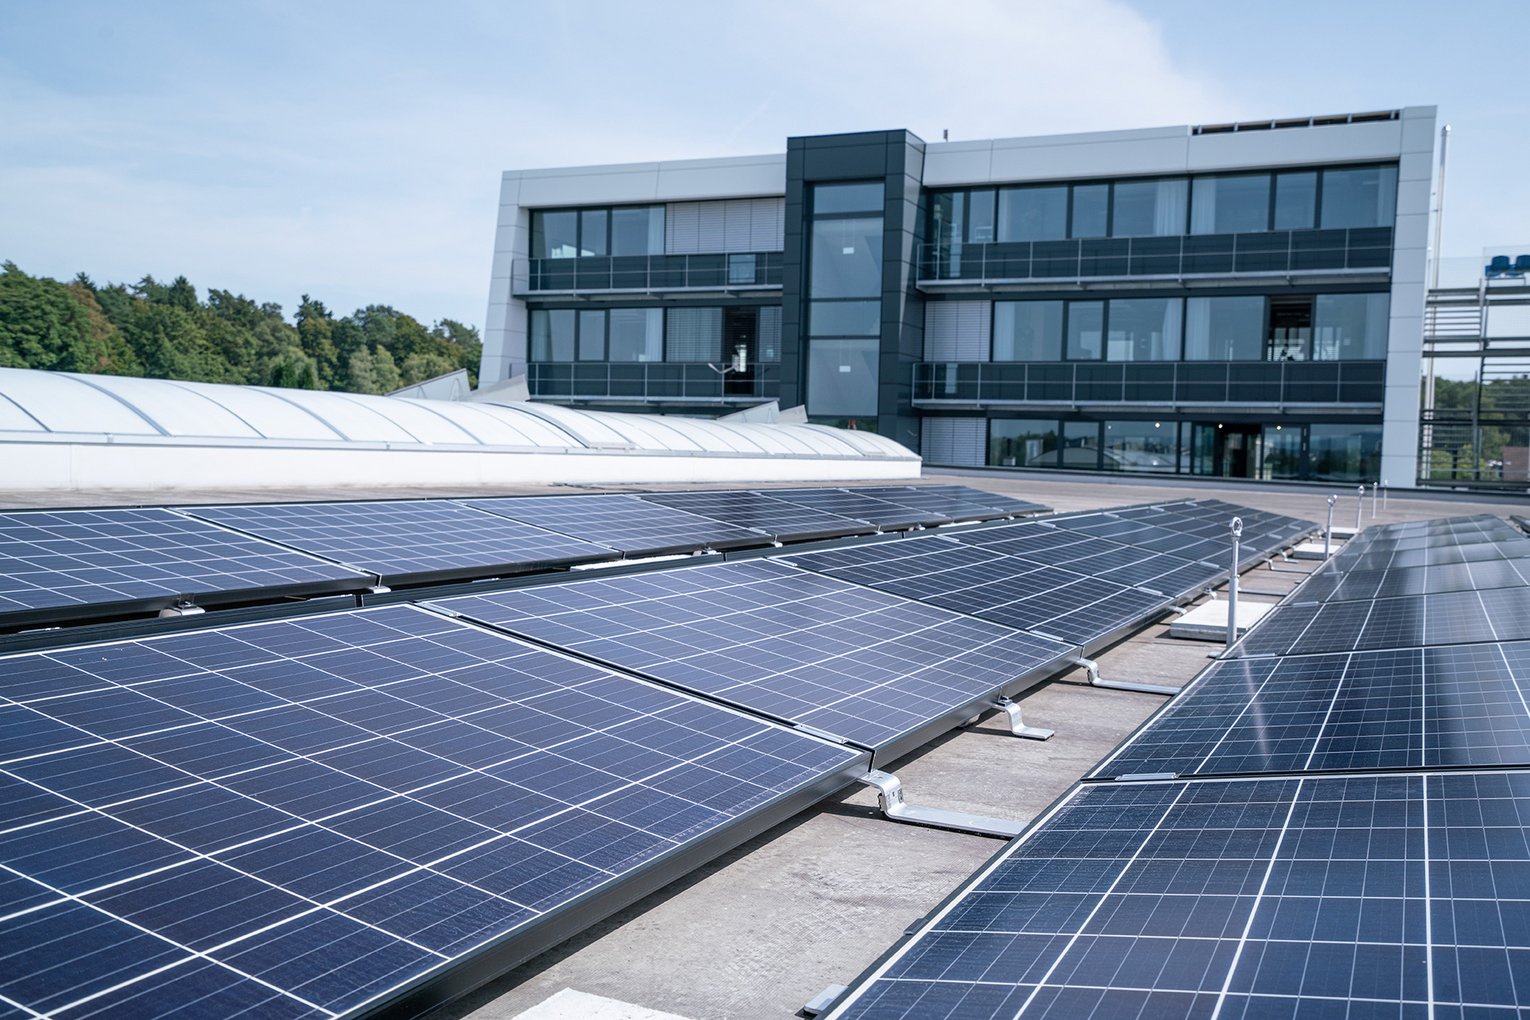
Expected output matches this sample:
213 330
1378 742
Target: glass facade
593 233
1027 330
1017 442
844 291
1151 446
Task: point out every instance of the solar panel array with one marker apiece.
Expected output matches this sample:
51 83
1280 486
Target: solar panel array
840 658
58 563
1076 578
1280 839
308 817
59 566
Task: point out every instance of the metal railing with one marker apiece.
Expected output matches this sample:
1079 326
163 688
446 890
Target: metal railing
732 271
1275 252
1356 385
657 382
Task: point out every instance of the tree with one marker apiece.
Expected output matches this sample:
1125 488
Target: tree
294 370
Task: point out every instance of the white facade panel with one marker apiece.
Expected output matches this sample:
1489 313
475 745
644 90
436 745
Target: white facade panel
1333 143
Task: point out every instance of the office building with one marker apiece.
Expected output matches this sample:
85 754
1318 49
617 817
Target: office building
1238 300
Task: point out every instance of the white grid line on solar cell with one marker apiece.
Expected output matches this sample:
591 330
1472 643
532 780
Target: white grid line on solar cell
652 697
404 537
858 506
845 659
70 558
757 510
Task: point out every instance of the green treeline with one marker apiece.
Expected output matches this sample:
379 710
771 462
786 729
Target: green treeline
163 331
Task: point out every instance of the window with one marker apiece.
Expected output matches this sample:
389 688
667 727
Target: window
1296 200
1143 329
845 318
693 334
1149 208
1027 330
636 334
1290 329
1344 453
1086 324
592 232
1022 442
592 335
1033 214
770 333
842 378
1141 446
847 198
847 258
555 235
981 216
1363 197
637 230
1230 205
1350 326
1081 445
552 334
1224 329
1282 452
948 218
1091 210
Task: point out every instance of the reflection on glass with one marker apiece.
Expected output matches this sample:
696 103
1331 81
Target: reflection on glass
636 334
552 335
846 258
637 230
847 198
1027 330
981 216
1091 210
1033 214
1140 446
1149 208
555 235
1086 324
592 232
1235 204
1363 197
1344 453
842 378
845 318
1224 328
1081 444
1282 452
1295 200
592 335
1143 329
1349 326
1014 442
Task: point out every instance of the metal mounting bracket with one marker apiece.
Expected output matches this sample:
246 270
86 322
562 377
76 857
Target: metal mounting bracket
1017 725
1092 668
185 607
821 1002
890 793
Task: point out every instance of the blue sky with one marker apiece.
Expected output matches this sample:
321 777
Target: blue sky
352 150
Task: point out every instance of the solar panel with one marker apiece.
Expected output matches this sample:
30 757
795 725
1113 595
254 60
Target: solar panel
958 502
1465 617
775 517
62 564
632 525
1458 705
851 661
1339 896
856 505
312 816
414 540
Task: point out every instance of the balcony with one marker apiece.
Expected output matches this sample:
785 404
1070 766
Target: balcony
1284 253
648 274
1346 387
655 382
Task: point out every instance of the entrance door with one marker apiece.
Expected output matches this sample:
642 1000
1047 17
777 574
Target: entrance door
740 330
1226 450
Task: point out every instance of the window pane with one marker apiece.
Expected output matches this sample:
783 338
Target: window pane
948 218
592 232
1022 443
1360 198
1091 205
1027 331
1295 200
1033 214
847 258
1344 453
1149 208
1290 329
693 334
1141 446
592 336
980 216
1143 329
845 198
1224 329
1230 205
636 334
1081 444
637 230
1086 319
552 335
845 318
1282 452
842 378
555 235
1349 326
770 333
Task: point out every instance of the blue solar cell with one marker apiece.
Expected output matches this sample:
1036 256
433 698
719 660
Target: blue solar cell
625 522
760 511
360 800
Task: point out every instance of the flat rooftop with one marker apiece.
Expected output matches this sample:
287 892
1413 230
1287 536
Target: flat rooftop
813 902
